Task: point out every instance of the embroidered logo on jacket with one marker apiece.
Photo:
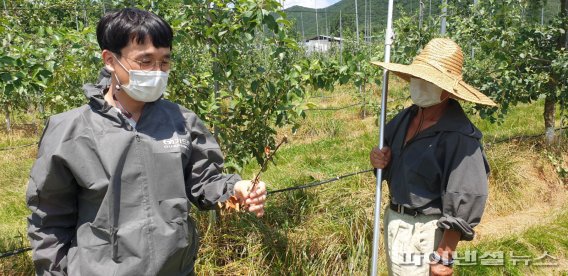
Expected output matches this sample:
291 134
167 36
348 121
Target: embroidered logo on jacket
175 143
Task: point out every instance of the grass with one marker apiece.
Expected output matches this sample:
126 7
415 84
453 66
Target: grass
15 165
327 230
524 120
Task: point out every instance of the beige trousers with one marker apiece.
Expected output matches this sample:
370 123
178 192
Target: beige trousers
409 241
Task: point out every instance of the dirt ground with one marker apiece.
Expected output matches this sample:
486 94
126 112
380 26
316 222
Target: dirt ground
542 196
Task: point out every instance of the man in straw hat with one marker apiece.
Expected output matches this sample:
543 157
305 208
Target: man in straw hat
433 163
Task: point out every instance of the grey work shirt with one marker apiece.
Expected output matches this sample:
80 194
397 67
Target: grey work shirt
110 199
441 171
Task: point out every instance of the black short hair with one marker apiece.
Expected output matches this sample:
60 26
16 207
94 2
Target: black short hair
117 28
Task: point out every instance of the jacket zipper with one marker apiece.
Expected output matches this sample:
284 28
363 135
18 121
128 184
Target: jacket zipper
114 226
145 201
112 210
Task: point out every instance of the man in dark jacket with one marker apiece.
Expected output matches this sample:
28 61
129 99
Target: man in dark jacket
434 165
110 190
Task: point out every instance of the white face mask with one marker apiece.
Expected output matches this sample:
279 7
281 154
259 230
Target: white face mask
423 93
144 86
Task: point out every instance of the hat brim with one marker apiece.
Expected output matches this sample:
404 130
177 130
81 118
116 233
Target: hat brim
460 89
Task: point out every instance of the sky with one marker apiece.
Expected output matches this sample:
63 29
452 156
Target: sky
309 3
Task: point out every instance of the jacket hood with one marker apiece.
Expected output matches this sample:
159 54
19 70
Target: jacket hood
95 92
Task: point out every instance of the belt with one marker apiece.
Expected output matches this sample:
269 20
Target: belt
404 210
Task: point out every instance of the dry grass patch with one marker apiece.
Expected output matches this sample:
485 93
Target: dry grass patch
525 190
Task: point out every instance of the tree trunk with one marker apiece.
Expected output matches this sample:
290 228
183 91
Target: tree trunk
8 121
363 111
550 101
549 112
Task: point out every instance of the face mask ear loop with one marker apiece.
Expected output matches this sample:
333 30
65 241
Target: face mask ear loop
117 86
120 63
119 105
115 76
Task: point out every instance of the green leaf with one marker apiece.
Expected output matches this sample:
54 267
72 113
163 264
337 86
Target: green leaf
7 60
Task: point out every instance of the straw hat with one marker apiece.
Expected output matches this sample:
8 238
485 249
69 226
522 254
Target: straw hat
440 62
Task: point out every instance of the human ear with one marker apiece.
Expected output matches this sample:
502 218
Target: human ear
108 60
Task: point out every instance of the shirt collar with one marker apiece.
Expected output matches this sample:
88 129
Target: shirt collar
454 119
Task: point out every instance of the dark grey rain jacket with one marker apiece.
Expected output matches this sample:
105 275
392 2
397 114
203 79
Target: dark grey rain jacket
441 171
108 199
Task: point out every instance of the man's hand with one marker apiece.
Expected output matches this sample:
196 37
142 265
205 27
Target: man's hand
253 200
440 270
380 158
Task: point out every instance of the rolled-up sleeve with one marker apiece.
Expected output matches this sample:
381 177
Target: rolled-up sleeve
207 184
51 197
465 192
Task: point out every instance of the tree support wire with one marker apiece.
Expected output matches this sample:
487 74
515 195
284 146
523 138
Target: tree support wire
18 147
317 183
14 252
376 224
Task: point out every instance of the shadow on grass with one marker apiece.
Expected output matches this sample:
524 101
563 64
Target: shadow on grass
286 212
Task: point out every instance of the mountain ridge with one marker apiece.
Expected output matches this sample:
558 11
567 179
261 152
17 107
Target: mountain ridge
328 18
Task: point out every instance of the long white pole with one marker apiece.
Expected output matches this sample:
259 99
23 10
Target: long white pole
472 45
377 220
370 25
420 16
444 13
317 23
365 20
340 37
326 23
357 21
303 34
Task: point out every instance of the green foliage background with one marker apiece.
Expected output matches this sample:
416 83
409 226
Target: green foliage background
239 66
236 64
